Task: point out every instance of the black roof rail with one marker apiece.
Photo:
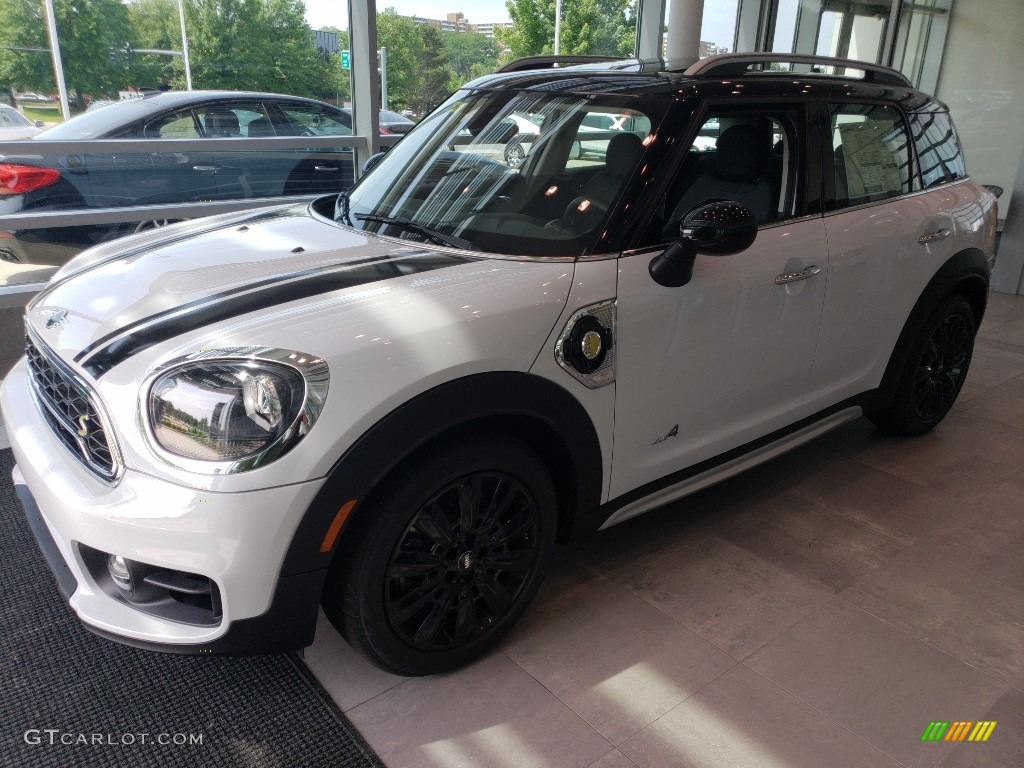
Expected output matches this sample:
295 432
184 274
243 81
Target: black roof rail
550 62
739 64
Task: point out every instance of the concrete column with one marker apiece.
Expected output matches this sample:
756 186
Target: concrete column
684 19
1008 276
362 41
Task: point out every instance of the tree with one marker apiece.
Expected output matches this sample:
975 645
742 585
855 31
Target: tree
155 25
589 27
87 30
533 28
470 55
258 45
24 26
434 77
598 27
401 37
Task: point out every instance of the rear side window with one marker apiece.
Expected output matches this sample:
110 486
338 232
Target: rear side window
938 150
871 154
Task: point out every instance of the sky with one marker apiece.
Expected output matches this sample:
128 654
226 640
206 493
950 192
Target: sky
718 24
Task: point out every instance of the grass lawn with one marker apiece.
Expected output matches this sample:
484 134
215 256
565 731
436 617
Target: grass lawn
48 113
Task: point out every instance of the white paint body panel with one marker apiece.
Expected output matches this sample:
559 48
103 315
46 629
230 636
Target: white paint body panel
877 270
724 357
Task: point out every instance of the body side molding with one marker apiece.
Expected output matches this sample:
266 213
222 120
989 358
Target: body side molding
706 473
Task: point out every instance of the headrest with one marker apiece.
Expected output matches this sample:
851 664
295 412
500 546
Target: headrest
504 132
623 152
261 126
741 153
221 123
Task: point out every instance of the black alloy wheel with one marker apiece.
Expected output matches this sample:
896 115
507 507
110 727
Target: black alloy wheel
441 560
462 561
935 370
943 367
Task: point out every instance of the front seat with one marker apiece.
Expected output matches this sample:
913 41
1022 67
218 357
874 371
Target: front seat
260 127
221 122
741 154
587 210
620 160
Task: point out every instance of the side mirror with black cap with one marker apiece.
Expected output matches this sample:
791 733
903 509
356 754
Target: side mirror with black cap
719 228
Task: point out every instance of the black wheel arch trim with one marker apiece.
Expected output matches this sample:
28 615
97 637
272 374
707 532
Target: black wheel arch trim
523 403
966 272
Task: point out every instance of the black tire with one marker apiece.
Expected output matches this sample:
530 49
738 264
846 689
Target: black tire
934 372
417 588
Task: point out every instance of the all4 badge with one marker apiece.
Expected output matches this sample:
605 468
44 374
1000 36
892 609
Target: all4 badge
671 433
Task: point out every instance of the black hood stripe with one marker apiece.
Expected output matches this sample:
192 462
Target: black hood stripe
273 213
115 348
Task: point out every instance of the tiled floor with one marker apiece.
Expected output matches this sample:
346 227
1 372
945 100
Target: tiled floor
818 611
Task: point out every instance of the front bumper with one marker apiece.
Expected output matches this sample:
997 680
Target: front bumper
237 540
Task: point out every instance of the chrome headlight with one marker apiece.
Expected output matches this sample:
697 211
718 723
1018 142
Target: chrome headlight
219 412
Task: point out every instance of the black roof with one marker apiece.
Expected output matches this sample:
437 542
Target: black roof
640 78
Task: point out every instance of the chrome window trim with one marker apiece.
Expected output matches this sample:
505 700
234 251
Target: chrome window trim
316 379
658 248
897 198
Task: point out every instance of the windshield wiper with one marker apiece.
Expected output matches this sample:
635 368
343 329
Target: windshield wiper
341 208
411 226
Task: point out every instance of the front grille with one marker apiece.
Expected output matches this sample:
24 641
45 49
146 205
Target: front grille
67 406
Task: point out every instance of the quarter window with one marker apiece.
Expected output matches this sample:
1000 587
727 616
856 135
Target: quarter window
870 153
938 150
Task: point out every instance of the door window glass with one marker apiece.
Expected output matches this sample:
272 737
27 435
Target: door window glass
747 156
181 125
314 120
871 154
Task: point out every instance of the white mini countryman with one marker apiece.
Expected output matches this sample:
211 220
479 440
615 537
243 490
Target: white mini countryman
394 401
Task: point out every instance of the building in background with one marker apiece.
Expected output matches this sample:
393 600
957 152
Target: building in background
457 22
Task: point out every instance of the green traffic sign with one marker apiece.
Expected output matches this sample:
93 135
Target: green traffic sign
346 62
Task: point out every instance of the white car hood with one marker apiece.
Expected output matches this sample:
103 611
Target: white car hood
207 271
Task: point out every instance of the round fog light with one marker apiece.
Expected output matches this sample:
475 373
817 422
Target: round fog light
117 567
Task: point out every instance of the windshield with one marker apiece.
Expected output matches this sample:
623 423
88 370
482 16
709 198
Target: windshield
9 117
508 172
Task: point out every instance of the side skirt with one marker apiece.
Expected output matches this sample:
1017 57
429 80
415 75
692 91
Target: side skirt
714 470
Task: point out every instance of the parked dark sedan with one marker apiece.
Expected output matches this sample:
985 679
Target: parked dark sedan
101 179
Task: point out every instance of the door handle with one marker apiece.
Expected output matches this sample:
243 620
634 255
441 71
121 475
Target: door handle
325 168
206 168
931 237
793 277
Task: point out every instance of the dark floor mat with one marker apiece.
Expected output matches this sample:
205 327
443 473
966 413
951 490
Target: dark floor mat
69 698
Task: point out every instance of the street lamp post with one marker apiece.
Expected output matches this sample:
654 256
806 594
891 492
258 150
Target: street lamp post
58 64
558 23
184 45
